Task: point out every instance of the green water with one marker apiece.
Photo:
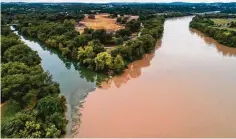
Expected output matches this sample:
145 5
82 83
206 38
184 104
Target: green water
75 81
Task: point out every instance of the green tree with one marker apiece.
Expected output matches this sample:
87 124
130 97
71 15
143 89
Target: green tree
5 30
103 61
119 41
24 83
20 86
65 51
12 68
51 42
49 105
31 130
58 120
118 20
114 15
11 126
148 42
123 32
74 53
91 16
119 64
7 42
124 51
86 56
52 132
81 40
133 25
22 53
102 35
69 23
97 46
124 20
88 31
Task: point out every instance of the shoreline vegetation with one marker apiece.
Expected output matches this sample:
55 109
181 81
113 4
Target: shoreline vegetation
137 38
88 48
221 27
29 90
34 107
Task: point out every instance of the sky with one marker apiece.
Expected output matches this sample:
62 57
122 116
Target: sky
107 1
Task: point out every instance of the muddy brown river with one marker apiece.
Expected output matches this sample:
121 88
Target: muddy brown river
186 88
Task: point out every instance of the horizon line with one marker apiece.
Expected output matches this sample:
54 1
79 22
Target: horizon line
113 2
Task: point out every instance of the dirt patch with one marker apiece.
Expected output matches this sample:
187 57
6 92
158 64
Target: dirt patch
101 21
131 17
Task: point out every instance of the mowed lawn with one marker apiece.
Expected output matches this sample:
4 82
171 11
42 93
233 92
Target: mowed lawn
101 21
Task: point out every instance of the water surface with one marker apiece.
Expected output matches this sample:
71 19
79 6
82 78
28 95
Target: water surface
186 88
75 81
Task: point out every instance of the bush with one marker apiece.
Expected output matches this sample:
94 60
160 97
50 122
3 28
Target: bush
119 41
103 62
119 64
91 16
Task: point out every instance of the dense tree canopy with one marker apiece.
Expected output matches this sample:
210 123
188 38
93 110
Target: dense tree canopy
119 64
89 48
25 83
137 38
103 61
22 53
133 25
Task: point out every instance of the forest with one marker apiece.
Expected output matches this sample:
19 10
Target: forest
57 30
75 9
206 24
39 111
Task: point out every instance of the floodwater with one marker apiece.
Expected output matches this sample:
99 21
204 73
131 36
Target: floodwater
186 88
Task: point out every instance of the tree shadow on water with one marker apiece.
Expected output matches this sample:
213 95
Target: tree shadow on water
133 71
224 50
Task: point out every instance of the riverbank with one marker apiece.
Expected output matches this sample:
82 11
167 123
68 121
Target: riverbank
217 26
32 105
75 81
180 90
88 48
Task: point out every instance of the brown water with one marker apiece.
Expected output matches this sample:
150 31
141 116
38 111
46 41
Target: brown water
186 88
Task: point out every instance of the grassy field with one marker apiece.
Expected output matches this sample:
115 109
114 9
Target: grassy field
101 21
223 23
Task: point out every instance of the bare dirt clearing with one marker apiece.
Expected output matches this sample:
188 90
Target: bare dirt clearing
101 21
